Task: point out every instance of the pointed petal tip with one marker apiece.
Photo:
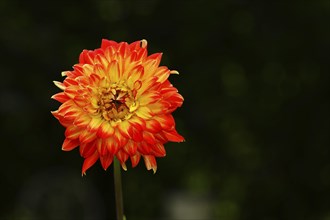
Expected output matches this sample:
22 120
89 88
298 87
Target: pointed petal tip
144 43
180 140
89 161
174 72
59 85
69 144
123 165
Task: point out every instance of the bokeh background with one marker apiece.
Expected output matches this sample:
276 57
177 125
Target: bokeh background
255 77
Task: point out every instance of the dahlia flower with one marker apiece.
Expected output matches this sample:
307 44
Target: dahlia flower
117 102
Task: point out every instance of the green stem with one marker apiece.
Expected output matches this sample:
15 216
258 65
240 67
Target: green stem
118 190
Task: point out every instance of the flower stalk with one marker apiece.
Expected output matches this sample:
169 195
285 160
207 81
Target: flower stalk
118 190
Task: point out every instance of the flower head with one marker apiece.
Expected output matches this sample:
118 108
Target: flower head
117 102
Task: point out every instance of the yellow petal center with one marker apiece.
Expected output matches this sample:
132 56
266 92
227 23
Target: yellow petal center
114 103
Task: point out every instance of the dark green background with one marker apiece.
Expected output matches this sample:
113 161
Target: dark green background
255 78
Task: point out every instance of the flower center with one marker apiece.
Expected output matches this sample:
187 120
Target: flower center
113 104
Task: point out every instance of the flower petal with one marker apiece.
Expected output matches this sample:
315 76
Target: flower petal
80 100
149 137
59 85
112 145
130 148
69 144
86 136
136 134
135 159
147 84
94 124
152 63
121 139
166 121
88 162
105 130
113 71
144 148
123 49
72 132
150 162
158 150
86 56
87 149
173 136
141 54
71 114
72 91
149 98
82 120
108 43
134 73
162 74
123 128
61 97
101 147
106 161
153 126
122 157
143 112
70 82
161 137
138 122
135 45
160 107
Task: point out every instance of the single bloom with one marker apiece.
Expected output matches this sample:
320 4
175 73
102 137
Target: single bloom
117 102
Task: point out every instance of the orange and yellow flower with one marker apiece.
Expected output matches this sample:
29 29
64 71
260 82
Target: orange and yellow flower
117 102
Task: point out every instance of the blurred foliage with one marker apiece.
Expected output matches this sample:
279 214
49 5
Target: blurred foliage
255 77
